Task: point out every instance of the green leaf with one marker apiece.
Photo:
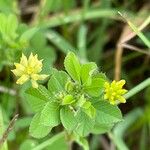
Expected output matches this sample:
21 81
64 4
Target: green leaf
96 87
12 25
85 124
50 114
37 98
72 66
8 26
57 82
91 111
68 118
37 129
28 144
27 35
107 113
102 128
86 72
81 42
68 99
59 41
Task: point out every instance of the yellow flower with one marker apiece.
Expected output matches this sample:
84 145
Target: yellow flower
29 69
114 92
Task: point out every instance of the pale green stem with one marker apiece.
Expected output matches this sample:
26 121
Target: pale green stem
138 88
49 141
78 16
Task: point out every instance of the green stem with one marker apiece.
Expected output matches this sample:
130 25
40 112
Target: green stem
78 16
49 141
137 88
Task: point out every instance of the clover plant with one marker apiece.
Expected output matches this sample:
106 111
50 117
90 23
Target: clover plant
79 98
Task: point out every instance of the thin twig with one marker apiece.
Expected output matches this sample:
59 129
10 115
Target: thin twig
122 42
134 48
8 130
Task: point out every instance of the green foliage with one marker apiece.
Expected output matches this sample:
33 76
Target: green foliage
57 81
74 102
72 66
37 98
72 98
50 114
12 41
68 118
37 129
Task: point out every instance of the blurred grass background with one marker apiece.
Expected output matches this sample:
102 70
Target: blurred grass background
95 31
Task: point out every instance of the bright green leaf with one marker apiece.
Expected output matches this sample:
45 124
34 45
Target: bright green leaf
38 130
57 81
50 114
68 118
27 35
96 87
86 72
68 99
91 111
72 66
107 113
102 128
85 124
37 98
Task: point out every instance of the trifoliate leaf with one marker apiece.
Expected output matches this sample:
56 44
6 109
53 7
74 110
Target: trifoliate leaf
68 99
85 124
102 128
68 118
72 66
107 113
37 98
37 129
50 115
96 87
86 72
91 111
57 82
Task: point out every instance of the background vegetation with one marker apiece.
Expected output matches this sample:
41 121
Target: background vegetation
95 31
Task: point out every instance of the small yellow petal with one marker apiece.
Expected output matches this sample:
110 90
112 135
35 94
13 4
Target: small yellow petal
114 91
121 83
122 99
19 66
24 60
17 72
35 77
29 69
34 84
22 79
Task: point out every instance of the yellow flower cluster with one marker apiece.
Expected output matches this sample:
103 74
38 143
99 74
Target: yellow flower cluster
29 69
114 92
